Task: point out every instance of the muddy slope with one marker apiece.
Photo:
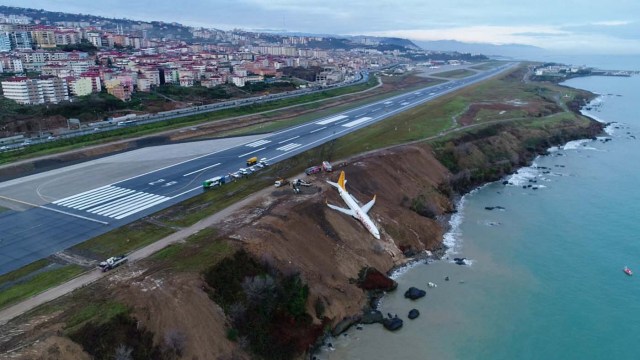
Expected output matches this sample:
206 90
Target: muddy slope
416 187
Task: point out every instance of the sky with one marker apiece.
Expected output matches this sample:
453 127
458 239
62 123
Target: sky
566 26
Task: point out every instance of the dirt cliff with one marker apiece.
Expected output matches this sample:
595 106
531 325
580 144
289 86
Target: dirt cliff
416 187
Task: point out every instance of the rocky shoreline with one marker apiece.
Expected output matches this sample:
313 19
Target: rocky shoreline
370 313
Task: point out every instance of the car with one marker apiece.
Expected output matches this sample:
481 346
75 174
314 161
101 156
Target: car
3 148
313 170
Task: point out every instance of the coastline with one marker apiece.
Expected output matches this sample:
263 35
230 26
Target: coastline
451 242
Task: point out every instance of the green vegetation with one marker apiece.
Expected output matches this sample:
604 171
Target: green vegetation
265 307
487 65
23 271
455 74
198 252
38 283
199 93
118 338
98 312
123 240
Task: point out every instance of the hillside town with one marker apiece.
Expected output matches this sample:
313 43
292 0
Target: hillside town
56 61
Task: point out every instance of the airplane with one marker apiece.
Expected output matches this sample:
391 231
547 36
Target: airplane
354 210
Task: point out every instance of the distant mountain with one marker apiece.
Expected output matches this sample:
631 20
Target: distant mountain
386 41
515 51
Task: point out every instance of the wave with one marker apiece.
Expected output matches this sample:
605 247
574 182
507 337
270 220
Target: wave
523 175
451 238
578 145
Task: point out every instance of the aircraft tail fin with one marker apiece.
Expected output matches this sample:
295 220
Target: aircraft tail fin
341 182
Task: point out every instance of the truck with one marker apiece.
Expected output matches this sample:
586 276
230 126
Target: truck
281 182
252 161
113 262
326 166
214 182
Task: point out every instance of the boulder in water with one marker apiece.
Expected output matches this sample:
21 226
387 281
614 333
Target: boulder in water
392 324
373 316
414 313
414 293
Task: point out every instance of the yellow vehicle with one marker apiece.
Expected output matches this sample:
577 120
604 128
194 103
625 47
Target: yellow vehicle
252 161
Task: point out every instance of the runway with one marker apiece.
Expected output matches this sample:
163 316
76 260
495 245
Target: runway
55 210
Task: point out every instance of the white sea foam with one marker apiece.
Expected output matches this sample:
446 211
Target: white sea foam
611 128
577 144
523 175
395 274
451 238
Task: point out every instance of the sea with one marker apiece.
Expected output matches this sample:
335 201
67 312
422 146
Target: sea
545 276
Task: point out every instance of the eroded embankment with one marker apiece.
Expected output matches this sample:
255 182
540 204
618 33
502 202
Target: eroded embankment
305 257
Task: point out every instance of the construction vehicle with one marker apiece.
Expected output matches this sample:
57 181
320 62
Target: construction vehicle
281 182
252 161
214 182
326 166
300 182
113 262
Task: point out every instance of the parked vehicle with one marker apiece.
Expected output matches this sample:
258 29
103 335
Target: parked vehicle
113 262
214 182
252 161
326 166
281 182
313 170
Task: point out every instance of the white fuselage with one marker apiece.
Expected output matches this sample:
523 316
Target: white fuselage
358 213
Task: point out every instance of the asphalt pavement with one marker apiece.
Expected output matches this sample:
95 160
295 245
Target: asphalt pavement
55 220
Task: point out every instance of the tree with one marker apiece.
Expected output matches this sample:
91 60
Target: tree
123 352
175 342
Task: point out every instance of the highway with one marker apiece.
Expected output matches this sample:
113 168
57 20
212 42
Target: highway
44 229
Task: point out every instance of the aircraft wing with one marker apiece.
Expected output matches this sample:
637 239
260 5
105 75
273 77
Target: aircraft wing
369 205
343 210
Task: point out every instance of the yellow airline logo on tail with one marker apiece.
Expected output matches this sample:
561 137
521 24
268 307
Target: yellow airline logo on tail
341 180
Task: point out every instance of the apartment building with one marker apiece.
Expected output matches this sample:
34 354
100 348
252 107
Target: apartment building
45 38
46 89
5 42
81 86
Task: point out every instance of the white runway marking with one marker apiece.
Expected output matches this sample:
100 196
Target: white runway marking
203 169
284 141
357 122
112 201
251 152
258 143
288 147
318 129
331 119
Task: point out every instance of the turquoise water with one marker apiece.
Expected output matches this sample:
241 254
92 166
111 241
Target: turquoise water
546 278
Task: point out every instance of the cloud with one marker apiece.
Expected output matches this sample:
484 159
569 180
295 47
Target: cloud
612 23
548 37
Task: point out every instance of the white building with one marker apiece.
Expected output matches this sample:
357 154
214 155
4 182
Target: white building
36 91
81 86
238 81
5 42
